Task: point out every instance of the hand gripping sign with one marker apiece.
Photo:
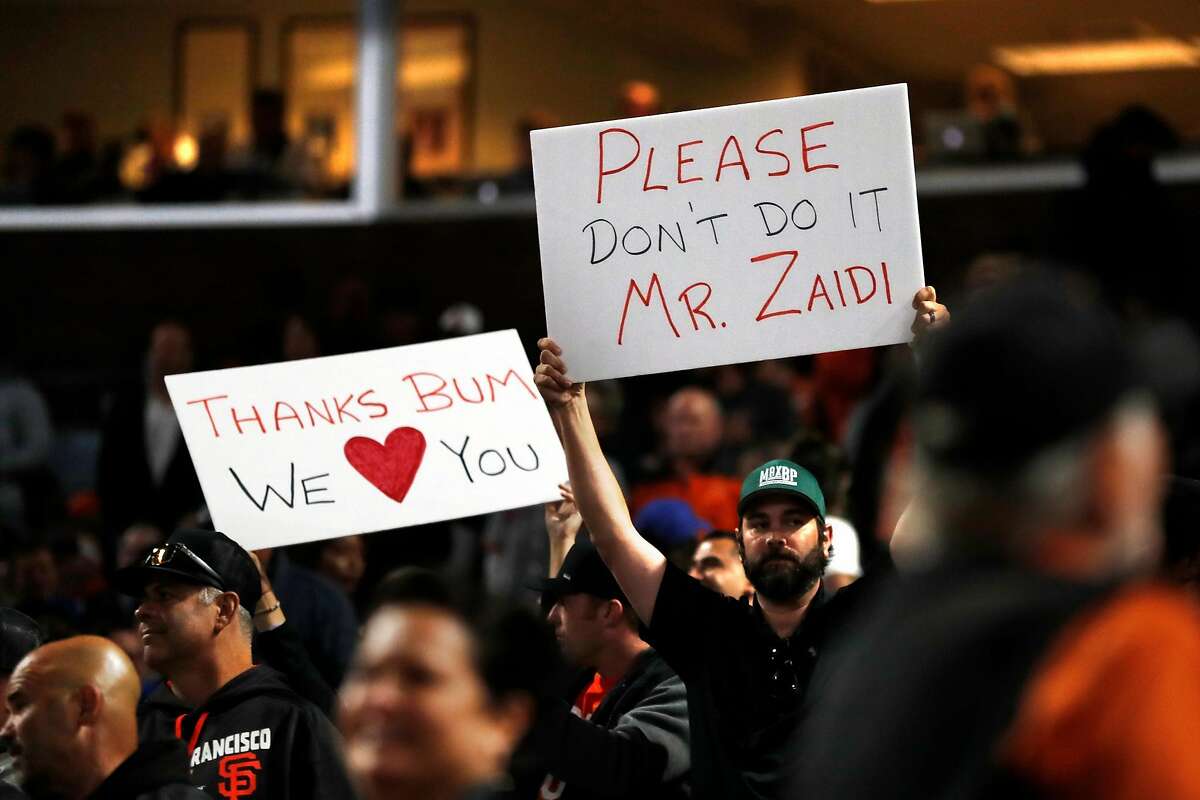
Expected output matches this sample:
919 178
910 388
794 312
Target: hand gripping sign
730 234
305 450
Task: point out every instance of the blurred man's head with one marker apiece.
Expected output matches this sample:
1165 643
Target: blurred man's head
717 563
588 610
432 707
692 424
35 573
135 542
72 719
170 351
194 593
784 541
19 636
1035 439
343 561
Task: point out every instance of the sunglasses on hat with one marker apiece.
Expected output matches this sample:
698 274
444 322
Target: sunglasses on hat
165 555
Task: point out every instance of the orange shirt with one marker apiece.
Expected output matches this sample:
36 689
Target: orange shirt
585 705
1114 711
713 497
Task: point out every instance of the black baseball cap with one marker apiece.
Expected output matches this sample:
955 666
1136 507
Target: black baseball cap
19 636
1023 367
582 572
207 558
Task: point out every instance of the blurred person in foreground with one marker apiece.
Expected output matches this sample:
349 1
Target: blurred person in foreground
438 698
1020 653
19 636
745 666
72 728
621 728
248 732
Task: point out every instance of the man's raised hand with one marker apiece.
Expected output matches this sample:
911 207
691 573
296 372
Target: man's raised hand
551 376
930 313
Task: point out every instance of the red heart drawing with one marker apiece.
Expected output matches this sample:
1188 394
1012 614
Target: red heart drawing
390 466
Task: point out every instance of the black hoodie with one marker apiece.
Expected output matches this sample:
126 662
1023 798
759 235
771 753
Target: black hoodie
155 771
254 739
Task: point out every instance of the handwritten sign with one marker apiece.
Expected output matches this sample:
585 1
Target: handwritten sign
305 450
730 234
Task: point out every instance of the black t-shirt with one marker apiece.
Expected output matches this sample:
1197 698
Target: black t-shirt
745 684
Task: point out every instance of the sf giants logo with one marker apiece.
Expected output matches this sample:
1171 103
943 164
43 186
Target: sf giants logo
240 772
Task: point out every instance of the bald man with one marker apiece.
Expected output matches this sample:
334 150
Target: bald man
72 728
687 467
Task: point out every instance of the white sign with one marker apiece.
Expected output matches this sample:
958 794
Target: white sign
305 450
730 234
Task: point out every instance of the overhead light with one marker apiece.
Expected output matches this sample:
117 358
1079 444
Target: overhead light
1074 58
186 152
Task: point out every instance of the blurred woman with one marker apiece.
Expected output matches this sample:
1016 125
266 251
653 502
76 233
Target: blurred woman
434 707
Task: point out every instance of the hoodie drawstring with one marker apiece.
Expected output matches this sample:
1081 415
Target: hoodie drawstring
195 731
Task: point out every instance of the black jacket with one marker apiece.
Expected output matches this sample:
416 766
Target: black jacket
155 771
254 739
929 681
282 649
634 746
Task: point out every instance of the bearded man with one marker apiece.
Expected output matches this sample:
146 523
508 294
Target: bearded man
746 667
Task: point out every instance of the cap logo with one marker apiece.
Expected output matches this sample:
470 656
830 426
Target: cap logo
778 474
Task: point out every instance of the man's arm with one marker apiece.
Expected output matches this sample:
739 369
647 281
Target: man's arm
277 644
562 526
647 749
910 543
634 562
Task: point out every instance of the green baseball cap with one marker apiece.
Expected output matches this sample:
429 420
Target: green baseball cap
781 476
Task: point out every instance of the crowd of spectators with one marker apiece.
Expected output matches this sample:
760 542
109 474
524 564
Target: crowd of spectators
967 568
729 617
157 163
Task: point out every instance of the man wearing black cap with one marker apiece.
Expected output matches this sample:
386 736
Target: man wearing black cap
746 666
1022 654
248 735
626 733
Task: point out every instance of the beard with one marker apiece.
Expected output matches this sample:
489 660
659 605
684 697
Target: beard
782 576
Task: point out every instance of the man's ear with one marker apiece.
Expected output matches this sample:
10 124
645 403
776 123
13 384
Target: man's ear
612 612
91 704
227 605
828 544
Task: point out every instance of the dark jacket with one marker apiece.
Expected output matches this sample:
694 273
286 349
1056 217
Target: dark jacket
155 771
8 789
917 698
255 738
281 649
320 614
634 746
